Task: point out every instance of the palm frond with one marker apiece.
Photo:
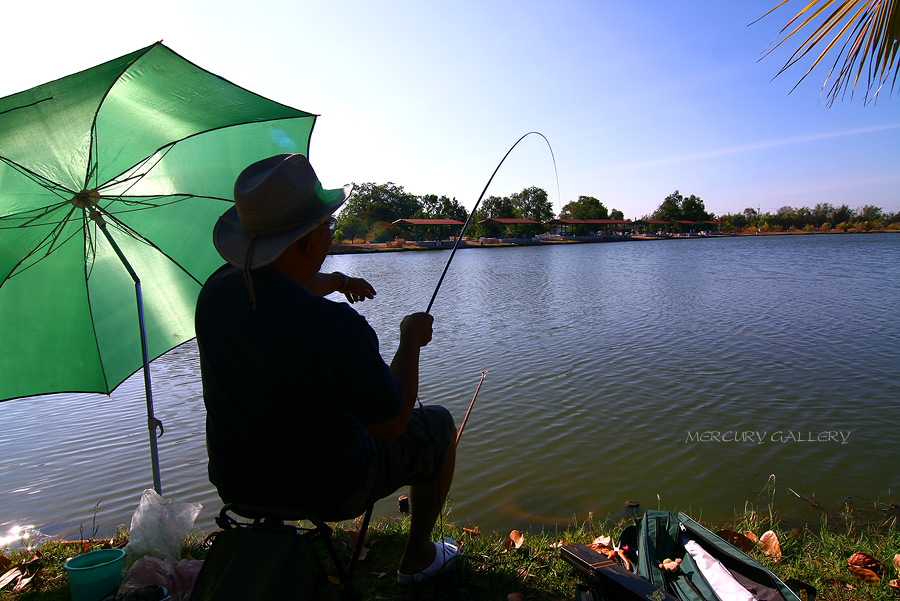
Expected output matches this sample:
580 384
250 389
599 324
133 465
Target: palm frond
863 35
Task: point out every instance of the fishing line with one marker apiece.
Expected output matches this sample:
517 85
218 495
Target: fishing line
469 219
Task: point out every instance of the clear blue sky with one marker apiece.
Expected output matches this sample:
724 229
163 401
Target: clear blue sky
638 99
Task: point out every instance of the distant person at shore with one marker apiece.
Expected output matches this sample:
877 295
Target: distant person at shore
302 411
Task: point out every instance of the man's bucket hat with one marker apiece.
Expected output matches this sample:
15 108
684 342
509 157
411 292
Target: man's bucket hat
277 201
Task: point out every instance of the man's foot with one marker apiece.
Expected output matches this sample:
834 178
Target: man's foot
445 552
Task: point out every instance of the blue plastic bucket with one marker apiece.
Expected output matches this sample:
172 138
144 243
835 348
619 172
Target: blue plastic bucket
95 575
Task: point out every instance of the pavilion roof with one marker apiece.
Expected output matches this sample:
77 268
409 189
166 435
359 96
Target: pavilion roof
510 221
428 222
589 221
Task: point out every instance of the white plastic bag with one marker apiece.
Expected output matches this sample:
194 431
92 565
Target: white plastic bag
159 527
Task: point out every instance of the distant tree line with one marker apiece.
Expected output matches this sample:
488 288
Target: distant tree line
372 210
822 217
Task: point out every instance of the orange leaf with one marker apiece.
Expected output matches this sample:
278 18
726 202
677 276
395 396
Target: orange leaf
770 545
751 536
737 539
472 531
864 574
895 584
517 538
863 560
897 562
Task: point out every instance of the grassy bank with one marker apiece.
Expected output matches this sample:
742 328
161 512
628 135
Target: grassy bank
493 567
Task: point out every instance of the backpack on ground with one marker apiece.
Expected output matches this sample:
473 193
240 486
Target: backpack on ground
262 561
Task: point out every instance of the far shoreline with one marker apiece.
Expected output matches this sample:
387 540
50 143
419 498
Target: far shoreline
346 248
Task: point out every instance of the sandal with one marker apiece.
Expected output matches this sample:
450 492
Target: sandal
445 552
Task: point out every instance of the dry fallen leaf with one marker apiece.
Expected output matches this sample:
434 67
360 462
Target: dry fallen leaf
23 582
863 560
472 531
557 544
737 539
751 536
897 562
353 538
895 584
602 542
770 545
9 576
517 538
670 565
863 574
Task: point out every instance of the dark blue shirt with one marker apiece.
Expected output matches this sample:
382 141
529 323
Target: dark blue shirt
288 390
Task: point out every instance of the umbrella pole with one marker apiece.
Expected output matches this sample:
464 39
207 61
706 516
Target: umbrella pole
152 422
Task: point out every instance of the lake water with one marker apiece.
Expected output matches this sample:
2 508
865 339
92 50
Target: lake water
681 374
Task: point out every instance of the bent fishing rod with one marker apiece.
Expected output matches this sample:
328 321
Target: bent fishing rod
459 239
477 202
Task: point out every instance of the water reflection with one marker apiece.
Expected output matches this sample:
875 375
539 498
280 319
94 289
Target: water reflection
602 360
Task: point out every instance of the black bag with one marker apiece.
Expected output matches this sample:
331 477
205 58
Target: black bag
262 562
609 579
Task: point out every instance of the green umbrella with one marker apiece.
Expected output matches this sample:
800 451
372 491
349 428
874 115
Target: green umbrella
110 182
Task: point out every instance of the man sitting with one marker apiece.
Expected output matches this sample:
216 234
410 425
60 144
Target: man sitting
302 411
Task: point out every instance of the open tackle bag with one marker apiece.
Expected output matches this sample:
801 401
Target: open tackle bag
708 567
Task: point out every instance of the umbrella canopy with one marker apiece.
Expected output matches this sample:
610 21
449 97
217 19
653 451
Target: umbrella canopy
111 180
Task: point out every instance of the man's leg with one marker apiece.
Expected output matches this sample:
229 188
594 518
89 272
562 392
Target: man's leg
425 504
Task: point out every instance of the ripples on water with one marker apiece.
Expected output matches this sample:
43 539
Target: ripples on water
601 359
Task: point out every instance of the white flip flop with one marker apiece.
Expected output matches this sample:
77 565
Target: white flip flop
445 552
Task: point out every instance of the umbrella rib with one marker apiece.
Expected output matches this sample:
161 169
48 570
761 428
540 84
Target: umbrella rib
131 232
40 180
25 106
138 177
52 238
143 205
93 163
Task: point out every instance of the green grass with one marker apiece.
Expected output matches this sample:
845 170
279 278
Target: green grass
815 553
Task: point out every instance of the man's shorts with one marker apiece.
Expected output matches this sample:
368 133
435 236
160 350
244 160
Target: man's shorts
416 457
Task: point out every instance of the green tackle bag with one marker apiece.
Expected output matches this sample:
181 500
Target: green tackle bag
662 534
262 562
